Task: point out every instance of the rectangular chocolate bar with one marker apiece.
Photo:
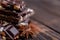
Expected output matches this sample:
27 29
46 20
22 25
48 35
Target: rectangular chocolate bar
11 31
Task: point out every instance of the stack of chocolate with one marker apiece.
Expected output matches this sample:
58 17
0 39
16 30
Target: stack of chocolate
9 11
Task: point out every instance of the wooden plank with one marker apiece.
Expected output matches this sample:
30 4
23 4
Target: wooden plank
47 12
45 33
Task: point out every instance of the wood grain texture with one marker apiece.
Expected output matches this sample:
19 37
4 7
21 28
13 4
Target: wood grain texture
47 12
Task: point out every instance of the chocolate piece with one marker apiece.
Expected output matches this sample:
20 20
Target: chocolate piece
11 31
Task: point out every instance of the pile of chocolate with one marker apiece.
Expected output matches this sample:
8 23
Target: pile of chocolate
9 10
9 17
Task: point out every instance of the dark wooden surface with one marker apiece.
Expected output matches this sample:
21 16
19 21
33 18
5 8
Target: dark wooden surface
47 13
